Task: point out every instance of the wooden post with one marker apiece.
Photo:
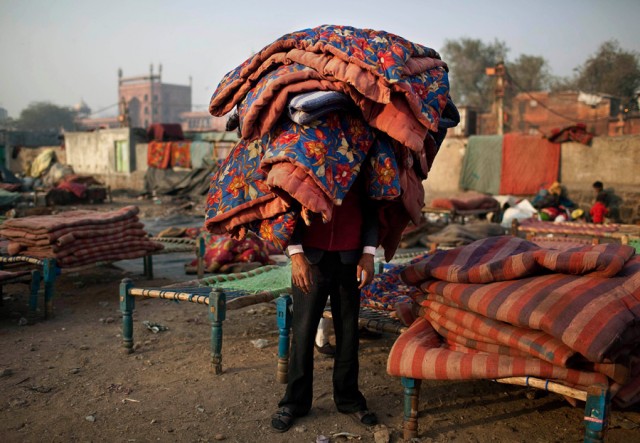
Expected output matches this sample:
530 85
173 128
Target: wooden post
217 313
127 305
50 270
200 256
411 400
283 310
147 263
36 278
596 413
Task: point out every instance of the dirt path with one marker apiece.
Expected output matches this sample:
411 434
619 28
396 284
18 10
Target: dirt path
67 379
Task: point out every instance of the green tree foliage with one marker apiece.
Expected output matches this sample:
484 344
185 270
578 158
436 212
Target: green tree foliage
611 70
529 73
46 116
467 59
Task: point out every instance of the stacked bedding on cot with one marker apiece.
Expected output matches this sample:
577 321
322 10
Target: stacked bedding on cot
77 238
505 307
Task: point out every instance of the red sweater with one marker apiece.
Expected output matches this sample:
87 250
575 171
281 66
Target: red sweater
598 211
342 233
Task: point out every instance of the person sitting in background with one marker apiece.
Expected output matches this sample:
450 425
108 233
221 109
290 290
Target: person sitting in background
599 209
611 201
553 203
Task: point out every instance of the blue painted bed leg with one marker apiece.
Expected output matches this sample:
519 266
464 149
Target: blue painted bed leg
596 413
147 263
50 271
127 305
200 256
217 314
411 400
36 279
283 310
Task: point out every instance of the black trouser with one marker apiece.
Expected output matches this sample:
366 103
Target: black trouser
330 277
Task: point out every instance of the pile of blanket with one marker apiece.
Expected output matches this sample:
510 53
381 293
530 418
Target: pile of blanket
77 238
504 307
222 253
458 235
387 290
317 108
471 201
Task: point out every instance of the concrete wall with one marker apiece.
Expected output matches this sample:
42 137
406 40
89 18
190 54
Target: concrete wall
615 161
444 177
612 160
94 153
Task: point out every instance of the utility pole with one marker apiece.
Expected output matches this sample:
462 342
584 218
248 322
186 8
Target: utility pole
499 72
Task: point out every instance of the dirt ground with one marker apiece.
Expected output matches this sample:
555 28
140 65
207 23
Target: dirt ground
67 379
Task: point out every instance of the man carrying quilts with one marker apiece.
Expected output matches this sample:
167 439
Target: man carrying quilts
339 126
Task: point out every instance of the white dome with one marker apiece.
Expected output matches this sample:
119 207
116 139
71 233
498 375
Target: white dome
82 108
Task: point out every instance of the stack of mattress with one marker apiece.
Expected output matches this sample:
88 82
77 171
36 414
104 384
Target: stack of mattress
77 238
504 307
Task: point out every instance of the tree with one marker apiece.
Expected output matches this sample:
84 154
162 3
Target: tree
529 73
467 59
611 70
46 116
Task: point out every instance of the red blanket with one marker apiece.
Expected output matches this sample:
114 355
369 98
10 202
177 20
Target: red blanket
529 163
159 154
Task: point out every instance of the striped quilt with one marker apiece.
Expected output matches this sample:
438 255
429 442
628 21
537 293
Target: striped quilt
77 238
503 306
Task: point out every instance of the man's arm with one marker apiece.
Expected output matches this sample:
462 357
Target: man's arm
300 270
370 228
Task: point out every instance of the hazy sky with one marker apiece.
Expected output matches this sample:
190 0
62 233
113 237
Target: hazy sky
62 51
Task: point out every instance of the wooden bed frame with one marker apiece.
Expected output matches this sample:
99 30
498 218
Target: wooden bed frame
41 270
596 398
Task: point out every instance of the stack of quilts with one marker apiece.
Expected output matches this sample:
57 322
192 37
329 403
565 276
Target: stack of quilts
77 238
505 307
318 108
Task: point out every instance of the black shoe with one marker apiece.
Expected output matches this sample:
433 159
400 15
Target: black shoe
365 417
326 349
282 420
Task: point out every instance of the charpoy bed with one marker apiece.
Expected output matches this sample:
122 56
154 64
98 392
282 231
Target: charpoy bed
31 271
505 309
219 293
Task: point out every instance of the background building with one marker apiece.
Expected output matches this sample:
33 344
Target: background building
145 100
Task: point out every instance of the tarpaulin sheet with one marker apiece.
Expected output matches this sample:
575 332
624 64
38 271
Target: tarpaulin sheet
482 164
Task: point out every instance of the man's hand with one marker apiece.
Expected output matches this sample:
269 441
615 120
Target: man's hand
365 270
301 272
